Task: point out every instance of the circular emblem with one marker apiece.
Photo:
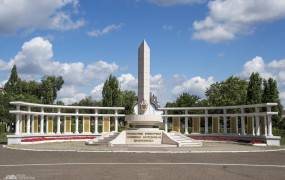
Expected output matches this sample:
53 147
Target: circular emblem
143 106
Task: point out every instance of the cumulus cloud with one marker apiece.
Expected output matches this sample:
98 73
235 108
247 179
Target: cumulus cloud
69 94
175 2
128 82
18 15
97 91
196 85
225 21
274 69
256 65
35 59
106 30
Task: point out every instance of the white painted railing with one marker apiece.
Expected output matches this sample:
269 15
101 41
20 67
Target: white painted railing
44 119
32 118
253 120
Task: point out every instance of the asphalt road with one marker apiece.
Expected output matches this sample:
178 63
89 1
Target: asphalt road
132 166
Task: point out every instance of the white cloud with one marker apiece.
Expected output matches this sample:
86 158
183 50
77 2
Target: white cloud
272 69
2 83
97 91
128 82
196 85
18 15
256 65
175 2
228 18
277 64
62 21
36 59
105 30
68 94
101 69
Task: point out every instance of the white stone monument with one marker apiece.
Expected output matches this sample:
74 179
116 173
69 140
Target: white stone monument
146 115
143 78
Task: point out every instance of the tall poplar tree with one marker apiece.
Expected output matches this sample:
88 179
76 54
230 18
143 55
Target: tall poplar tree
254 89
273 96
111 92
13 85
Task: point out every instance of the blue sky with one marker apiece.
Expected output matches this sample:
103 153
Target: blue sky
193 42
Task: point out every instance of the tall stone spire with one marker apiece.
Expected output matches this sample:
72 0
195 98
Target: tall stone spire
143 78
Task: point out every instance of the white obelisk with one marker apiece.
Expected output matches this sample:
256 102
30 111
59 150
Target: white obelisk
143 78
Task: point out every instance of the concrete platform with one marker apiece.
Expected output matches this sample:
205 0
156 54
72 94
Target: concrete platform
208 147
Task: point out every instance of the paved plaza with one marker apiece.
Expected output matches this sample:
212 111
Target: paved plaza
207 147
122 165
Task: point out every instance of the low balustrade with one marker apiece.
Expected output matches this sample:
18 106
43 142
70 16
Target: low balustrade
32 119
254 120
42 120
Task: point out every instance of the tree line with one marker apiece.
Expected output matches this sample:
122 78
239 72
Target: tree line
236 91
232 91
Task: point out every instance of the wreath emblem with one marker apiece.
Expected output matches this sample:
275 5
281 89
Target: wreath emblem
143 106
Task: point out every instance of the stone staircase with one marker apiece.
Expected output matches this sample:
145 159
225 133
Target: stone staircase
184 141
103 140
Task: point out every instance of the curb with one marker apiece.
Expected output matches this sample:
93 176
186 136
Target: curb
153 152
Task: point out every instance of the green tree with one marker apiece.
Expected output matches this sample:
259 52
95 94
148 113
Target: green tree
271 94
232 91
254 89
129 99
13 85
111 92
265 92
49 87
187 100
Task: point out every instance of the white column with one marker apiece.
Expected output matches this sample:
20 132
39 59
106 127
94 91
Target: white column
265 126
42 121
225 120
186 122
76 122
165 122
242 122
116 121
257 122
17 128
253 127
96 121
58 121
29 121
206 121
269 119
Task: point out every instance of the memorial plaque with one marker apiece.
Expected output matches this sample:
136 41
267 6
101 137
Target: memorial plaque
176 124
67 127
106 124
36 124
50 124
143 137
86 121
